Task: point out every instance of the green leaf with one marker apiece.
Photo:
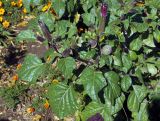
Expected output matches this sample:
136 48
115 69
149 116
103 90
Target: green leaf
66 66
31 69
136 97
59 7
93 81
149 41
142 114
132 102
72 31
156 35
111 92
26 4
88 18
95 107
48 19
117 58
118 104
61 28
112 77
87 55
140 27
63 99
132 55
136 44
126 83
127 63
152 69
26 35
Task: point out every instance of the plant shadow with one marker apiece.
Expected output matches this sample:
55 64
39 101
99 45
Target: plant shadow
154 110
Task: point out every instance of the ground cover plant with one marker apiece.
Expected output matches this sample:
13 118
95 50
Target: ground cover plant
89 60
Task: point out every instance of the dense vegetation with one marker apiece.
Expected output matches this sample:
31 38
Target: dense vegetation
91 60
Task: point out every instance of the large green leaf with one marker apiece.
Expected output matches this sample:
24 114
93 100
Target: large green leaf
142 114
127 63
117 58
88 18
136 97
136 44
113 89
95 107
48 19
111 92
149 41
63 99
118 104
140 27
156 35
93 81
152 69
31 69
112 77
26 35
59 7
61 28
132 103
126 83
66 66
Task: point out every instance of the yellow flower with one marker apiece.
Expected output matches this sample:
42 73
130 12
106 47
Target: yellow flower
45 8
55 81
1 18
48 59
13 3
76 17
140 4
0 3
2 11
46 104
5 24
37 117
24 10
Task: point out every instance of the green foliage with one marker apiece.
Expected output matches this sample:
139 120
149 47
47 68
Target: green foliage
11 94
97 76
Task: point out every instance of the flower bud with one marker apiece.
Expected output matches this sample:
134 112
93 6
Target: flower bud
104 9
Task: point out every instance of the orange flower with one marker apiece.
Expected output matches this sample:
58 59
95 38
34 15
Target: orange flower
0 3
30 110
19 4
13 3
46 104
2 11
5 24
15 77
19 66
1 18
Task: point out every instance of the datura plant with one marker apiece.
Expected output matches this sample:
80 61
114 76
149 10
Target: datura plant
100 59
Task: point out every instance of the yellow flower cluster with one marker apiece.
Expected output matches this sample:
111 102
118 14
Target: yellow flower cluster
46 7
5 23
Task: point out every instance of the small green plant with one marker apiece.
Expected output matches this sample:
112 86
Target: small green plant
105 57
